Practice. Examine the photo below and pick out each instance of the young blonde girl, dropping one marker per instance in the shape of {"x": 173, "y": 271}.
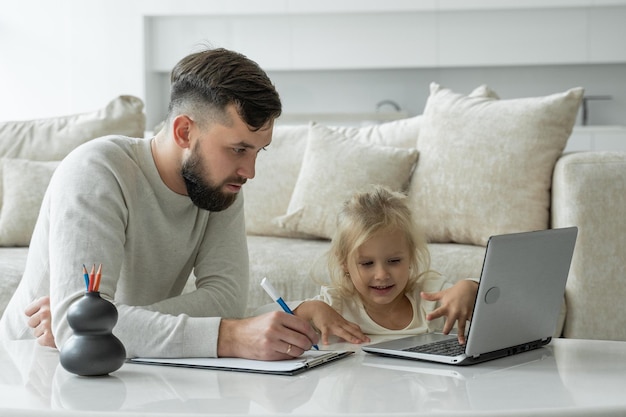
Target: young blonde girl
{"x": 380, "y": 277}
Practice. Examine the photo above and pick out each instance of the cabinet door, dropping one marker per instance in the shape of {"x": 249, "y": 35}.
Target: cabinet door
{"x": 169, "y": 38}
{"x": 512, "y": 37}
{"x": 364, "y": 41}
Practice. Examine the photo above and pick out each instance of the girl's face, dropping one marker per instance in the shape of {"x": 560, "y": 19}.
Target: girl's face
{"x": 381, "y": 269}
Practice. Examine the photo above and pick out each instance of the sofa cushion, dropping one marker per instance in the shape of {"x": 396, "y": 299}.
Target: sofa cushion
{"x": 333, "y": 168}
{"x": 12, "y": 264}
{"x": 456, "y": 261}
{"x": 486, "y": 164}
{"x": 24, "y": 184}
{"x": 401, "y": 133}
{"x": 53, "y": 138}
{"x": 296, "y": 275}
{"x": 268, "y": 195}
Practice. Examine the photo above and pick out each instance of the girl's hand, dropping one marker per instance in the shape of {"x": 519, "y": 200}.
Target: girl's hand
{"x": 329, "y": 322}
{"x": 456, "y": 304}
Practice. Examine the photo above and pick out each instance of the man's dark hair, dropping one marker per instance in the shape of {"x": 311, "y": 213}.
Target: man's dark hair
{"x": 204, "y": 83}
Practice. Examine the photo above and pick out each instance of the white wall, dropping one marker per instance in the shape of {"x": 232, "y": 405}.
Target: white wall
{"x": 67, "y": 56}
{"x": 33, "y": 59}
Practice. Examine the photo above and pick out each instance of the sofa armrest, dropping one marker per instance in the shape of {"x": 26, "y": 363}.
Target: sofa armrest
{"x": 589, "y": 191}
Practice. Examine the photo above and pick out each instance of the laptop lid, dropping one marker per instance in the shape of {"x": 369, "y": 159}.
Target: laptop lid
{"x": 518, "y": 302}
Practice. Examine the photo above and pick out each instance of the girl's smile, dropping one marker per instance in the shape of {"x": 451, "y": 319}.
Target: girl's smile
{"x": 382, "y": 289}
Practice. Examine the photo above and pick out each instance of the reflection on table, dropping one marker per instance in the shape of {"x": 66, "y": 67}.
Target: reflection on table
{"x": 566, "y": 376}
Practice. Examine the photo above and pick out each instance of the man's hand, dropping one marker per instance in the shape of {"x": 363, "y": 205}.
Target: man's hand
{"x": 456, "y": 304}
{"x": 271, "y": 336}
{"x": 40, "y": 320}
{"x": 329, "y": 322}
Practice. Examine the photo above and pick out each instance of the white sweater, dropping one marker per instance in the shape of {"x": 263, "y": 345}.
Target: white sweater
{"x": 107, "y": 204}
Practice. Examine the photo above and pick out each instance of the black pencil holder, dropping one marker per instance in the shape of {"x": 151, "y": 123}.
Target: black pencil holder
{"x": 93, "y": 349}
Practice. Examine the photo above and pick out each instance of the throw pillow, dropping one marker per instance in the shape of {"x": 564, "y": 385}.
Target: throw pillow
{"x": 401, "y": 133}
{"x": 277, "y": 169}
{"x": 486, "y": 164}
{"x": 24, "y": 185}
{"x": 334, "y": 167}
{"x": 267, "y": 195}
{"x": 53, "y": 138}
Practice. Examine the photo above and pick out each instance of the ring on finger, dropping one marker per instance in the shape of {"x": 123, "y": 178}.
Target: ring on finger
{"x": 288, "y": 349}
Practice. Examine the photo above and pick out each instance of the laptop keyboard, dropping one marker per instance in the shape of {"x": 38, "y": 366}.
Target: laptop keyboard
{"x": 449, "y": 347}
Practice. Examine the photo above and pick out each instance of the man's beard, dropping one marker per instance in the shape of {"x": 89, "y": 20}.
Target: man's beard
{"x": 202, "y": 193}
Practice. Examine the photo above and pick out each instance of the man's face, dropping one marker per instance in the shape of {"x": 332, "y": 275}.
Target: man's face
{"x": 221, "y": 161}
{"x": 203, "y": 190}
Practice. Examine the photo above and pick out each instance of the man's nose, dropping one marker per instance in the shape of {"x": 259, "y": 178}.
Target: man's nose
{"x": 248, "y": 168}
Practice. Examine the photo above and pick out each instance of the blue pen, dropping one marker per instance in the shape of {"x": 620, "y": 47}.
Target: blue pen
{"x": 272, "y": 293}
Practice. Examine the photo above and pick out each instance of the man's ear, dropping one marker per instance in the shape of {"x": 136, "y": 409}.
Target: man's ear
{"x": 181, "y": 126}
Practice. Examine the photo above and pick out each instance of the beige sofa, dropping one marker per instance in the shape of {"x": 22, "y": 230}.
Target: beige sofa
{"x": 485, "y": 166}
{"x": 472, "y": 166}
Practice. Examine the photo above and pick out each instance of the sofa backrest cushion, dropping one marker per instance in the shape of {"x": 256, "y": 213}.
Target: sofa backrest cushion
{"x": 24, "y": 184}
{"x": 267, "y": 195}
{"x": 53, "y": 138}
{"x": 486, "y": 164}
{"x": 31, "y": 149}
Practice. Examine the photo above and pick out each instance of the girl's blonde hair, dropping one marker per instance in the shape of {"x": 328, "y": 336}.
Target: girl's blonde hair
{"x": 361, "y": 217}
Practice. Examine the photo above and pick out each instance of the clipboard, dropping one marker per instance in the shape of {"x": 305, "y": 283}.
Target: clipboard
{"x": 308, "y": 360}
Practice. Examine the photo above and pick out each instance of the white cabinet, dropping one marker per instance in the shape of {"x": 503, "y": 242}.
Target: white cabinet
{"x": 513, "y": 37}
{"x": 266, "y": 38}
{"x": 364, "y": 41}
{"x": 607, "y": 34}
{"x": 412, "y": 38}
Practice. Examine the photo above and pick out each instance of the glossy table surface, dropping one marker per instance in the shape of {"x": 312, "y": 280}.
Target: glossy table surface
{"x": 567, "y": 377}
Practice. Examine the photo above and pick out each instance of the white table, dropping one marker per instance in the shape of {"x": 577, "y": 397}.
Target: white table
{"x": 568, "y": 377}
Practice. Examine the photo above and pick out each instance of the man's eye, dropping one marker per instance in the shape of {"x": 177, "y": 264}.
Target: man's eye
{"x": 239, "y": 150}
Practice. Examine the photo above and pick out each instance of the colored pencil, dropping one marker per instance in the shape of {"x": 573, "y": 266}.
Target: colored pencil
{"x": 86, "y": 276}
{"x": 96, "y": 285}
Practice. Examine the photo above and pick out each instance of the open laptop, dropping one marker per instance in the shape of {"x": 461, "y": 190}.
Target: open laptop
{"x": 517, "y": 305}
